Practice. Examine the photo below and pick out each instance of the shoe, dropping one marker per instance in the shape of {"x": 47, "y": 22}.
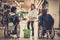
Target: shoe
{"x": 32, "y": 34}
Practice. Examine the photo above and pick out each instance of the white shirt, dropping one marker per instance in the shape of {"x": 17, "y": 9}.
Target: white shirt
{"x": 33, "y": 13}
{"x": 12, "y": 13}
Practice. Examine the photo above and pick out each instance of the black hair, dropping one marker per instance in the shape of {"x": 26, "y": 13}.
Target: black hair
{"x": 13, "y": 9}
{"x": 44, "y": 3}
{"x": 6, "y": 6}
{"x": 39, "y": 11}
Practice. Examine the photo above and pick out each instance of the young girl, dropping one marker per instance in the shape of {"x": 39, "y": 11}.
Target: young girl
{"x": 32, "y": 15}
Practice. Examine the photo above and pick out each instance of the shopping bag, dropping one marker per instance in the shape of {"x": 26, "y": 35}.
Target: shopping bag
{"x": 26, "y": 33}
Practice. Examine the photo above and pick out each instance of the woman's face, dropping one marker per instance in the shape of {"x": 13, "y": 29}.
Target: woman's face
{"x": 32, "y": 7}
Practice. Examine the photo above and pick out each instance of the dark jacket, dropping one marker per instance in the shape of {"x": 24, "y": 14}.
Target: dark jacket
{"x": 46, "y": 21}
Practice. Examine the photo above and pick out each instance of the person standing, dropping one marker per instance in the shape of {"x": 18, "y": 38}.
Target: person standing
{"x": 32, "y": 15}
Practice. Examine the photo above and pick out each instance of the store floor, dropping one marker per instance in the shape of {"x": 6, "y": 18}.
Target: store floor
{"x": 23, "y": 26}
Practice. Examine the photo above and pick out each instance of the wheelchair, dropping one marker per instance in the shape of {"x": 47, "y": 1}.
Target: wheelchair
{"x": 48, "y": 36}
{"x": 9, "y": 27}
{"x": 1, "y": 21}
{"x": 0, "y": 18}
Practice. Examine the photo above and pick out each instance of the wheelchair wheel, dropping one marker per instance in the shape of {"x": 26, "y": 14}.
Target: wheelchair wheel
{"x": 18, "y": 31}
{"x": 6, "y": 31}
{"x": 52, "y": 34}
{"x": 0, "y": 20}
{"x": 40, "y": 34}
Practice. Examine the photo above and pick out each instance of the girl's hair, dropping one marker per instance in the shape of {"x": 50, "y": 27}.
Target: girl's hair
{"x": 33, "y": 6}
{"x": 13, "y": 9}
{"x": 39, "y": 11}
{"x": 44, "y": 3}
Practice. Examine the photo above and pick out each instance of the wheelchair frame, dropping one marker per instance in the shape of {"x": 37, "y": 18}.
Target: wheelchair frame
{"x": 52, "y": 35}
{"x": 7, "y": 32}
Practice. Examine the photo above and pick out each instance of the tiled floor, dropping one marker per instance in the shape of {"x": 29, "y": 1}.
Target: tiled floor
{"x": 23, "y": 26}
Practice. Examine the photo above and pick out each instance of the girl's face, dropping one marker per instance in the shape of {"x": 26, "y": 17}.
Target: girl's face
{"x": 32, "y": 7}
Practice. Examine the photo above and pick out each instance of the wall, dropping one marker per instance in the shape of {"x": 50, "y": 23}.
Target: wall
{"x": 54, "y": 11}
{"x": 27, "y": 2}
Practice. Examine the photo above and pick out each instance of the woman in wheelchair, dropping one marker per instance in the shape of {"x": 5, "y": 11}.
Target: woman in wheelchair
{"x": 14, "y": 18}
{"x": 46, "y": 22}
